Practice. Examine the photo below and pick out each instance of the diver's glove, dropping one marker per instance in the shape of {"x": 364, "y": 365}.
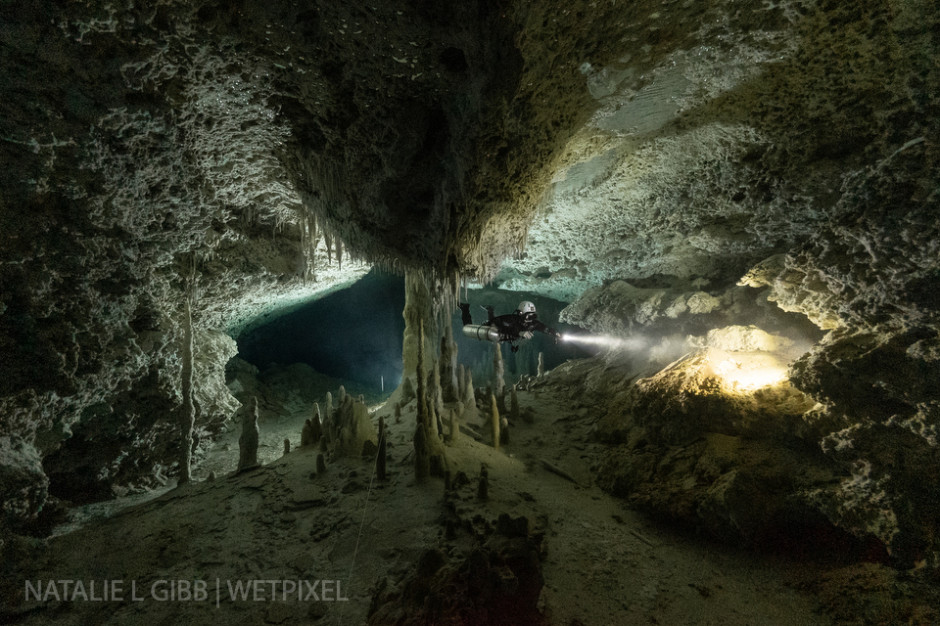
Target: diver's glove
{"x": 555, "y": 334}
{"x": 526, "y": 334}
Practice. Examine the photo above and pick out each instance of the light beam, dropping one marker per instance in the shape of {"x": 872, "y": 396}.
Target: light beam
{"x": 606, "y": 341}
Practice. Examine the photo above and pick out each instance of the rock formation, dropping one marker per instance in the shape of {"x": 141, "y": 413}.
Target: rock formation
{"x": 513, "y": 404}
{"x": 499, "y": 374}
{"x": 494, "y": 421}
{"x": 381, "y": 459}
{"x": 450, "y": 391}
{"x": 483, "y": 484}
{"x": 313, "y": 429}
{"x": 248, "y": 440}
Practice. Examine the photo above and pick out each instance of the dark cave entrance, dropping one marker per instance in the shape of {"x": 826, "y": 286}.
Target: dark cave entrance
{"x": 354, "y": 334}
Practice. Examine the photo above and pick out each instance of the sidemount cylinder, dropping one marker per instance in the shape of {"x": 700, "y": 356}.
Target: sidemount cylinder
{"x": 481, "y": 332}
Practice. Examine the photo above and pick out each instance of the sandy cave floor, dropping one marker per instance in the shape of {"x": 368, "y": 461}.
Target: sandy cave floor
{"x": 604, "y": 564}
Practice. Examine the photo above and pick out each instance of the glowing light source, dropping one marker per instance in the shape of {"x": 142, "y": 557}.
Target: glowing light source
{"x": 747, "y": 371}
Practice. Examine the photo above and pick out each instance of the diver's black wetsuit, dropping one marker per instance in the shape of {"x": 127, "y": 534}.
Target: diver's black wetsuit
{"x": 511, "y": 326}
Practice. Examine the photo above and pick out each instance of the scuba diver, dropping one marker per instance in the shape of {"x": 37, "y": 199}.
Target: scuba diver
{"x": 511, "y": 327}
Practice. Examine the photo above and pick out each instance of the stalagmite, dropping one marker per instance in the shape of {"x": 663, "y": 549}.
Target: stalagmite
{"x": 469, "y": 399}
{"x": 436, "y": 392}
{"x": 453, "y": 433}
{"x": 461, "y": 383}
{"x": 341, "y": 396}
{"x": 448, "y": 366}
{"x": 327, "y": 424}
{"x": 422, "y": 417}
{"x": 483, "y": 484}
{"x": 504, "y": 431}
{"x": 398, "y": 411}
{"x": 513, "y": 404}
{"x": 311, "y": 432}
{"x": 248, "y": 440}
{"x": 541, "y": 366}
{"x": 407, "y": 390}
{"x": 382, "y": 455}
{"x": 418, "y": 313}
{"x": 494, "y": 420}
{"x": 353, "y": 427}
{"x": 188, "y": 411}
{"x": 499, "y": 385}
{"x": 321, "y": 463}
{"x": 286, "y": 446}
{"x": 422, "y": 461}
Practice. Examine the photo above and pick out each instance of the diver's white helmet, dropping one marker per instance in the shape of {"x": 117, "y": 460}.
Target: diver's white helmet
{"x": 526, "y": 307}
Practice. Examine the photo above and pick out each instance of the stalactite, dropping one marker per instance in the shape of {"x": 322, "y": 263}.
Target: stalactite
{"x": 437, "y": 396}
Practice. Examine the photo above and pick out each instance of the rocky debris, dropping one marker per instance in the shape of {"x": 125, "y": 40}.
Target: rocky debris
{"x": 497, "y": 581}
{"x": 870, "y": 593}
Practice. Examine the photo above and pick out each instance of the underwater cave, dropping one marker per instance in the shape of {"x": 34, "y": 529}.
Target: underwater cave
{"x": 247, "y": 373}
